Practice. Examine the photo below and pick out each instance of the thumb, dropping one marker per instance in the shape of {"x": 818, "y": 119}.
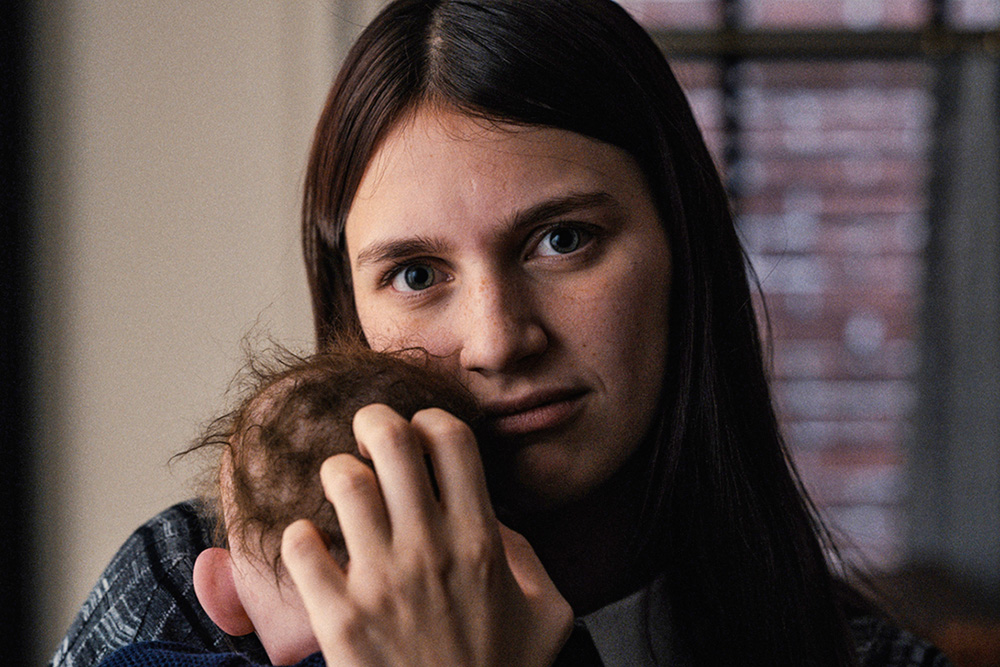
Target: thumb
{"x": 552, "y": 612}
{"x": 524, "y": 564}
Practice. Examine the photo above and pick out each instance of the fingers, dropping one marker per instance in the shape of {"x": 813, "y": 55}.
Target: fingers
{"x": 458, "y": 468}
{"x": 320, "y": 581}
{"x": 398, "y": 448}
{"x": 352, "y": 488}
{"x": 398, "y": 456}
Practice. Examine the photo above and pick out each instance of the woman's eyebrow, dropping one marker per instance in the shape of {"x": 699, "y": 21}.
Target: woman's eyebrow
{"x": 559, "y": 206}
{"x": 396, "y": 249}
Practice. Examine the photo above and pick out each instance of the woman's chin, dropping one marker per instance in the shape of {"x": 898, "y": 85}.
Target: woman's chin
{"x": 537, "y": 481}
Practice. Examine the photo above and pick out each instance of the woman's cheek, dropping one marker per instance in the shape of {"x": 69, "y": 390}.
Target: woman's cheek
{"x": 387, "y": 330}
{"x": 639, "y": 328}
{"x": 382, "y": 332}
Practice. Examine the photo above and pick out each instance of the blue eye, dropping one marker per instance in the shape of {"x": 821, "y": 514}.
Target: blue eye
{"x": 562, "y": 241}
{"x": 414, "y": 278}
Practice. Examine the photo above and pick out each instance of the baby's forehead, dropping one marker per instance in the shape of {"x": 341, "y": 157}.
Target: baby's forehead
{"x": 269, "y": 399}
{"x": 243, "y": 537}
{"x": 287, "y": 408}
{"x": 279, "y": 439}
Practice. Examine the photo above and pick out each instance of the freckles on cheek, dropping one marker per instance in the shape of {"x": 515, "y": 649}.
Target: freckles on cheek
{"x": 383, "y": 333}
{"x": 600, "y": 321}
{"x": 389, "y": 334}
{"x": 641, "y": 313}
{"x": 381, "y": 336}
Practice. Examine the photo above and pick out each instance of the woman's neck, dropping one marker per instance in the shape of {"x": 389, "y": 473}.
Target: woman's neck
{"x": 586, "y": 546}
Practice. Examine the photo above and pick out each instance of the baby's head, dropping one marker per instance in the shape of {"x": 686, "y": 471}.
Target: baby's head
{"x": 295, "y": 415}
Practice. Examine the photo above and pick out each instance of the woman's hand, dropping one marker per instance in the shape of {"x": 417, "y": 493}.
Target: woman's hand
{"x": 431, "y": 580}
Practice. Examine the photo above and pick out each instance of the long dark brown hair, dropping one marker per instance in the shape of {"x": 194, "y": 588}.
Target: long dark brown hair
{"x": 724, "y": 516}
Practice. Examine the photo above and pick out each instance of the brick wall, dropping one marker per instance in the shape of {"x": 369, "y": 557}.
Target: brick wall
{"x": 832, "y": 203}
{"x": 830, "y": 187}
{"x": 830, "y": 191}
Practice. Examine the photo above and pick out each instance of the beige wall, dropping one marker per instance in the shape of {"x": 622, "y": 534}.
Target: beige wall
{"x": 171, "y": 145}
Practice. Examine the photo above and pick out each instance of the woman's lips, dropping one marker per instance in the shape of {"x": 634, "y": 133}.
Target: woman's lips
{"x": 539, "y": 412}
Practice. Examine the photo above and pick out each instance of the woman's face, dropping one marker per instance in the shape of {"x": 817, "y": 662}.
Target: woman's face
{"x": 533, "y": 263}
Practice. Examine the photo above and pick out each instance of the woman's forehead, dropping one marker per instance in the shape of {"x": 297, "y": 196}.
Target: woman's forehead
{"x": 448, "y": 166}
{"x": 435, "y": 137}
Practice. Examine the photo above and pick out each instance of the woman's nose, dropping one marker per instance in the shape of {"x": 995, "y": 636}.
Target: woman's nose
{"x": 502, "y": 327}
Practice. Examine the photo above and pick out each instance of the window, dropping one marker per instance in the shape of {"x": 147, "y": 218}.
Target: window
{"x": 822, "y": 117}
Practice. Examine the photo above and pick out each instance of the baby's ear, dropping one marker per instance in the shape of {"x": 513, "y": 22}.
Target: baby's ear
{"x": 216, "y": 591}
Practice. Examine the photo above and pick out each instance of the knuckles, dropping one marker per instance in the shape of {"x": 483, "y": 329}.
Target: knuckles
{"x": 423, "y": 561}
{"x": 376, "y": 425}
{"x": 426, "y": 564}
{"x": 351, "y": 629}
{"x": 345, "y": 476}
{"x": 443, "y": 425}
{"x": 481, "y": 559}
{"x": 296, "y": 541}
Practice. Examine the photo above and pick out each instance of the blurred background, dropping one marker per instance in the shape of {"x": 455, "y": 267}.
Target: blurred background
{"x": 153, "y": 154}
